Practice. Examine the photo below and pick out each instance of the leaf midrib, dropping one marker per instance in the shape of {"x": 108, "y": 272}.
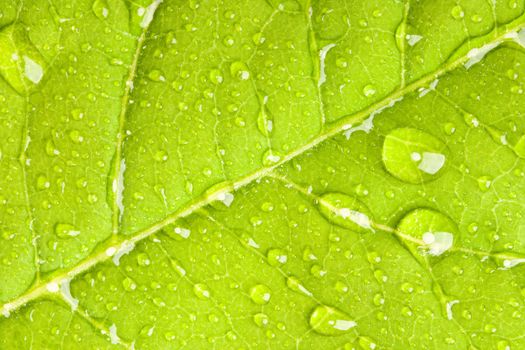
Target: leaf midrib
{"x": 333, "y": 129}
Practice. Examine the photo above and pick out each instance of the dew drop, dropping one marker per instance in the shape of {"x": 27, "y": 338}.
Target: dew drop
{"x": 156, "y": 75}
{"x": 201, "y": 291}
{"x": 328, "y": 320}
{"x": 345, "y": 211}
{"x": 63, "y": 230}
{"x": 369, "y": 90}
{"x": 261, "y": 320}
{"x": 216, "y": 76}
{"x": 457, "y": 12}
{"x": 22, "y": 64}
{"x": 128, "y": 284}
{"x": 413, "y": 156}
{"x": 276, "y": 257}
{"x": 430, "y": 232}
{"x": 143, "y": 259}
{"x": 260, "y": 294}
{"x": 100, "y": 9}
{"x": 295, "y": 284}
{"x": 239, "y": 70}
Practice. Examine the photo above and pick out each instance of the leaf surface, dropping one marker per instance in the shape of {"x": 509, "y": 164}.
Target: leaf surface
{"x": 262, "y": 174}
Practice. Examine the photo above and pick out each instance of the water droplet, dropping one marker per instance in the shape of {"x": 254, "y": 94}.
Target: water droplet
{"x": 366, "y": 343}
{"x": 407, "y": 287}
{"x": 216, "y": 76}
{"x": 228, "y": 41}
{"x": 271, "y": 158}
{"x": 42, "y": 182}
{"x": 66, "y": 230}
{"x": 100, "y": 9}
{"x": 327, "y": 320}
{"x": 369, "y": 90}
{"x": 413, "y": 156}
{"x": 128, "y": 284}
{"x": 22, "y": 64}
{"x": 201, "y": 291}
{"x": 449, "y": 128}
{"x": 75, "y": 136}
{"x": 143, "y": 259}
{"x": 156, "y": 75}
{"x": 276, "y": 257}
{"x": 427, "y": 232}
{"x": 457, "y": 12}
{"x": 239, "y": 70}
{"x": 345, "y": 211}
{"x": 261, "y": 319}
{"x": 295, "y": 284}
{"x": 260, "y": 294}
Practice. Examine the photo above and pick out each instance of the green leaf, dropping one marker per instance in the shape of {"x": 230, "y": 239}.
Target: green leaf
{"x": 262, "y": 174}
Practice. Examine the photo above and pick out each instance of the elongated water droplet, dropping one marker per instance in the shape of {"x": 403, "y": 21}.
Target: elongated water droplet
{"x": 295, "y": 284}
{"x": 345, "y": 211}
{"x": 413, "y": 156}
{"x": 66, "y": 230}
{"x": 201, "y": 291}
{"x": 328, "y": 320}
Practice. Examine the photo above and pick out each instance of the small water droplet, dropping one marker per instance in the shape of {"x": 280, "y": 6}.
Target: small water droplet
{"x": 143, "y": 259}
{"x": 216, "y": 76}
{"x": 276, "y": 257}
{"x": 239, "y": 70}
{"x": 201, "y": 291}
{"x": 369, "y": 90}
{"x": 328, "y": 320}
{"x": 128, "y": 284}
{"x": 457, "y": 12}
{"x": 260, "y": 294}
{"x": 63, "y": 230}
{"x": 261, "y": 319}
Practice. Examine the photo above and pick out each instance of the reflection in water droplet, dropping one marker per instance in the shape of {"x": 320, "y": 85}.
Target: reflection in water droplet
{"x": 413, "y": 156}
{"x": 345, "y": 211}
{"x": 327, "y": 320}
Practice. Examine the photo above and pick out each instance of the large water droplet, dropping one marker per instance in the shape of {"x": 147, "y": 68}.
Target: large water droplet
{"x": 327, "y": 320}
{"x": 345, "y": 211}
{"x": 413, "y": 156}
{"x": 21, "y": 64}
{"x": 260, "y": 294}
{"x": 427, "y": 232}
{"x": 101, "y": 9}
